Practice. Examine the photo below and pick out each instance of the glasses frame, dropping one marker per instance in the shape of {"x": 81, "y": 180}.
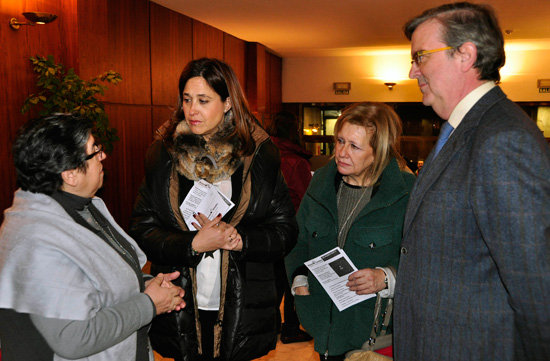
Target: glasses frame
{"x": 417, "y": 57}
{"x": 99, "y": 148}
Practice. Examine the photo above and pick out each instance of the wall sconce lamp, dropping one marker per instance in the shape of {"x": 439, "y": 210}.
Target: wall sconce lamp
{"x": 33, "y": 18}
{"x": 543, "y": 85}
{"x": 390, "y": 85}
{"x": 341, "y": 88}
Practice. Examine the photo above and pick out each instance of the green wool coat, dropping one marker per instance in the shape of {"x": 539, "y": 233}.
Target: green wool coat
{"x": 374, "y": 240}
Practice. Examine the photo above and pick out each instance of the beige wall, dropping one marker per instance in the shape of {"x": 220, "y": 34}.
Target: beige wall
{"x": 309, "y": 80}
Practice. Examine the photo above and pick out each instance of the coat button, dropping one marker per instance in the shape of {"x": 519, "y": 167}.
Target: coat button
{"x": 404, "y": 250}
{"x": 314, "y": 234}
{"x": 372, "y": 245}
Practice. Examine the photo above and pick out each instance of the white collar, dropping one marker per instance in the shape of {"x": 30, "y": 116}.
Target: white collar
{"x": 467, "y": 103}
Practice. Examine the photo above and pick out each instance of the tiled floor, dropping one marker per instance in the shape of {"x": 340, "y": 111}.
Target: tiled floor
{"x": 301, "y": 351}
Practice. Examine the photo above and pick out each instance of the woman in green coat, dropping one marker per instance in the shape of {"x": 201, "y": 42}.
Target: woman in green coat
{"x": 356, "y": 202}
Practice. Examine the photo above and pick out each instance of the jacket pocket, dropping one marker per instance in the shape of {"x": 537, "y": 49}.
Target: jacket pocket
{"x": 319, "y": 230}
{"x": 373, "y": 238}
{"x": 310, "y": 314}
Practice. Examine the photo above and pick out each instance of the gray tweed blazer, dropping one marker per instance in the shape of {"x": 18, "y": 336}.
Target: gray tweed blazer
{"x": 474, "y": 271}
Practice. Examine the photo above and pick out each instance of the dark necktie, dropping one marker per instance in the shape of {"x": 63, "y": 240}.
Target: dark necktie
{"x": 446, "y": 130}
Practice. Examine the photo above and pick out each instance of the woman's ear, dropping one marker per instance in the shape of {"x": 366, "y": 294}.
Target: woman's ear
{"x": 227, "y": 105}
{"x": 69, "y": 178}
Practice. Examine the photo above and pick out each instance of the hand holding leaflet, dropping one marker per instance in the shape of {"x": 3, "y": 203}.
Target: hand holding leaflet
{"x": 204, "y": 198}
{"x": 332, "y": 270}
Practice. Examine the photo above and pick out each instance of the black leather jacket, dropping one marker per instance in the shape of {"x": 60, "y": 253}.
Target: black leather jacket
{"x": 268, "y": 229}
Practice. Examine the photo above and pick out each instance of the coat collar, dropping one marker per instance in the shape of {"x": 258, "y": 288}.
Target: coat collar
{"x": 387, "y": 190}
{"x": 197, "y": 159}
{"x": 434, "y": 167}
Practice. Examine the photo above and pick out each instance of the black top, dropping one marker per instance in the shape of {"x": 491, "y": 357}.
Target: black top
{"x": 21, "y": 340}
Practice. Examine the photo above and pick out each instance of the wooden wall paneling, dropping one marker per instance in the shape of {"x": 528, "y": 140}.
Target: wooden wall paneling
{"x": 93, "y": 36}
{"x": 207, "y": 41}
{"x": 267, "y": 86}
{"x": 251, "y": 76}
{"x": 275, "y": 83}
{"x": 273, "y": 87}
{"x": 15, "y": 78}
{"x": 160, "y": 115}
{"x": 235, "y": 56}
{"x": 68, "y": 23}
{"x": 16, "y": 75}
{"x": 255, "y": 78}
{"x": 114, "y": 35}
{"x": 171, "y": 50}
{"x": 261, "y": 94}
{"x": 125, "y": 166}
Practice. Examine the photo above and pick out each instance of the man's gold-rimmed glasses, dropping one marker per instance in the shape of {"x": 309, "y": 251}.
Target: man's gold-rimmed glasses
{"x": 418, "y": 56}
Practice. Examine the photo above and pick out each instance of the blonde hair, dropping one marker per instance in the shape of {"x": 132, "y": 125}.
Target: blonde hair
{"x": 385, "y": 127}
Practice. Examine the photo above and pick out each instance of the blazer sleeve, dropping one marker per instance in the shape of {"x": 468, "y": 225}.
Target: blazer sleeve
{"x": 511, "y": 201}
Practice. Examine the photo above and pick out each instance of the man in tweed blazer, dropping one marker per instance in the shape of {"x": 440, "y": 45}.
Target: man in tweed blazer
{"x": 474, "y": 272}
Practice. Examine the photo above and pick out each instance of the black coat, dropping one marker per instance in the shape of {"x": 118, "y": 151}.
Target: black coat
{"x": 268, "y": 230}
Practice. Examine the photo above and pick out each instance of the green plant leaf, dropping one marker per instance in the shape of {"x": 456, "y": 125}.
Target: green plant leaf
{"x": 62, "y": 90}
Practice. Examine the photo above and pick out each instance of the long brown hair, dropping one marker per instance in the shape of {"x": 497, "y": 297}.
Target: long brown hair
{"x": 223, "y": 80}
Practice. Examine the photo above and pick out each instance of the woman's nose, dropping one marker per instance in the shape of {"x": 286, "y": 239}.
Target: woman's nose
{"x": 343, "y": 151}
{"x": 193, "y": 108}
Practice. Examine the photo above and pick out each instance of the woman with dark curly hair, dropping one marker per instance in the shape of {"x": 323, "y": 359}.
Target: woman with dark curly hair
{"x": 71, "y": 285}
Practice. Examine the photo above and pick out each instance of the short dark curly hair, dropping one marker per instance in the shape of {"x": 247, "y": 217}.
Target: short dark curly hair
{"x": 47, "y": 146}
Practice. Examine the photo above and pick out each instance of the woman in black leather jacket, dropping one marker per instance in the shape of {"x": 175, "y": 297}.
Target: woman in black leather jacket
{"x": 227, "y": 265}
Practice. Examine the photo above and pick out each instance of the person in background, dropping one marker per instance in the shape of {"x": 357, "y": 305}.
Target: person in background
{"x": 227, "y": 264}
{"x": 419, "y": 166}
{"x": 284, "y": 132}
{"x": 475, "y": 265}
{"x": 356, "y": 202}
{"x": 71, "y": 285}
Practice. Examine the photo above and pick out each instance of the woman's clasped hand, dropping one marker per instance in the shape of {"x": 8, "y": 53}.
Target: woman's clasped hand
{"x": 215, "y": 234}
{"x": 166, "y": 296}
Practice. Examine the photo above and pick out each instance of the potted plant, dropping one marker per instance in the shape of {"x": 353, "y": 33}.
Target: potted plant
{"x": 63, "y": 91}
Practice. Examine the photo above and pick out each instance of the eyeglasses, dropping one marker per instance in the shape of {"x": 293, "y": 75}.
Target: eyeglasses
{"x": 417, "y": 57}
{"x": 99, "y": 149}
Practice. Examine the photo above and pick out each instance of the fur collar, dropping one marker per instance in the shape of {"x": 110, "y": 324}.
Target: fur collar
{"x": 212, "y": 161}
